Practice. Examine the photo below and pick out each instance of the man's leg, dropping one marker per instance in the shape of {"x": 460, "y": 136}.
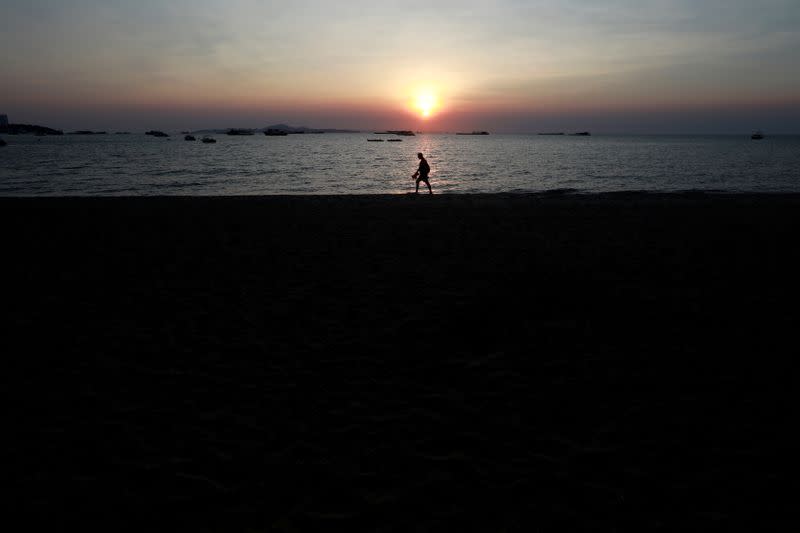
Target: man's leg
{"x": 418, "y": 180}
{"x": 428, "y": 183}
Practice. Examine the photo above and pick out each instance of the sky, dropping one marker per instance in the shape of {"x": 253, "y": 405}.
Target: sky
{"x": 613, "y": 66}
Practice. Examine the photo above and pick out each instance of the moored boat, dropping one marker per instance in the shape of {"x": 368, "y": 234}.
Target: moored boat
{"x": 209, "y": 140}
{"x": 757, "y": 136}
{"x": 189, "y": 138}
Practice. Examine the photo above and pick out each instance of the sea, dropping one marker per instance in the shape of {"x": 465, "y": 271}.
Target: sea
{"x": 347, "y": 163}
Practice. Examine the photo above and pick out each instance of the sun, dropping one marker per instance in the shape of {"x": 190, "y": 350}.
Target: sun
{"x": 426, "y": 103}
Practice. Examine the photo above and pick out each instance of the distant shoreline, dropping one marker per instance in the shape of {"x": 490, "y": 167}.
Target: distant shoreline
{"x": 222, "y": 131}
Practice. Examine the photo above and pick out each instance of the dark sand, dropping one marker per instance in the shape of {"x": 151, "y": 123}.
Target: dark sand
{"x": 493, "y": 363}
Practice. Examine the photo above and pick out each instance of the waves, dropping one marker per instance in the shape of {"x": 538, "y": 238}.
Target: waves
{"x": 346, "y": 164}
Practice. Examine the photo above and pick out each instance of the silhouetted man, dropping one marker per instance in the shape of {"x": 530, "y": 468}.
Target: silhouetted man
{"x": 422, "y": 172}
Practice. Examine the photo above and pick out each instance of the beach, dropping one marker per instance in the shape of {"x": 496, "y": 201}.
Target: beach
{"x": 551, "y": 362}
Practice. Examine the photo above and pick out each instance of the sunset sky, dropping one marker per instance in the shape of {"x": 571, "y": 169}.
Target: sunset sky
{"x": 638, "y": 66}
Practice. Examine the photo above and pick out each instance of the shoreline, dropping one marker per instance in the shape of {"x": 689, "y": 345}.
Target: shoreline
{"x": 555, "y": 194}
{"x": 519, "y": 194}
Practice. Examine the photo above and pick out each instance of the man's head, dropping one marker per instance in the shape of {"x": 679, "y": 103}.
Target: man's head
{"x": 420, "y": 155}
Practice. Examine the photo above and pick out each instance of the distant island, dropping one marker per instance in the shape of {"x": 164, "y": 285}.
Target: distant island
{"x": 28, "y": 129}
{"x": 275, "y": 128}
{"x": 404, "y": 133}
{"x": 304, "y": 129}
{"x": 578, "y": 134}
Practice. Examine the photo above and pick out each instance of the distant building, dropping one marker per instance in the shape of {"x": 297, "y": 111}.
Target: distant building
{"x": 3, "y": 121}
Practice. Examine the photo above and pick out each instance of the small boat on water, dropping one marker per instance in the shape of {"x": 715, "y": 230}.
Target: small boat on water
{"x": 209, "y": 140}
{"x": 581, "y": 134}
{"x": 374, "y": 140}
{"x": 474, "y": 133}
{"x": 395, "y": 140}
{"x": 234, "y": 131}
{"x": 757, "y": 136}
{"x": 271, "y": 132}
{"x": 156, "y": 133}
{"x": 559, "y": 133}
{"x": 189, "y": 138}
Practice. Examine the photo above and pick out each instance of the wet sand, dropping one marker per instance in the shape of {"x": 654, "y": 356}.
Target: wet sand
{"x": 493, "y": 363}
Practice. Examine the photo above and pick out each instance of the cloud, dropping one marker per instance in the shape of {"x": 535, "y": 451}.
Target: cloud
{"x": 508, "y": 54}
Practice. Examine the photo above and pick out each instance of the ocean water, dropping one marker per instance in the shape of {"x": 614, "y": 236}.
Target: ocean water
{"x": 122, "y": 165}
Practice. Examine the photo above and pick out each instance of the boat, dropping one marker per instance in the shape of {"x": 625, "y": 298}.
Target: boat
{"x": 581, "y": 134}
{"x": 560, "y": 133}
{"x": 189, "y": 138}
{"x": 374, "y": 140}
{"x": 272, "y": 132}
{"x": 475, "y": 133}
{"x": 156, "y": 133}
{"x": 395, "y": 140}
{"x": 757, "y": 136}
{"x": 234, "y": 131}
{"x": 209, "y": 140}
